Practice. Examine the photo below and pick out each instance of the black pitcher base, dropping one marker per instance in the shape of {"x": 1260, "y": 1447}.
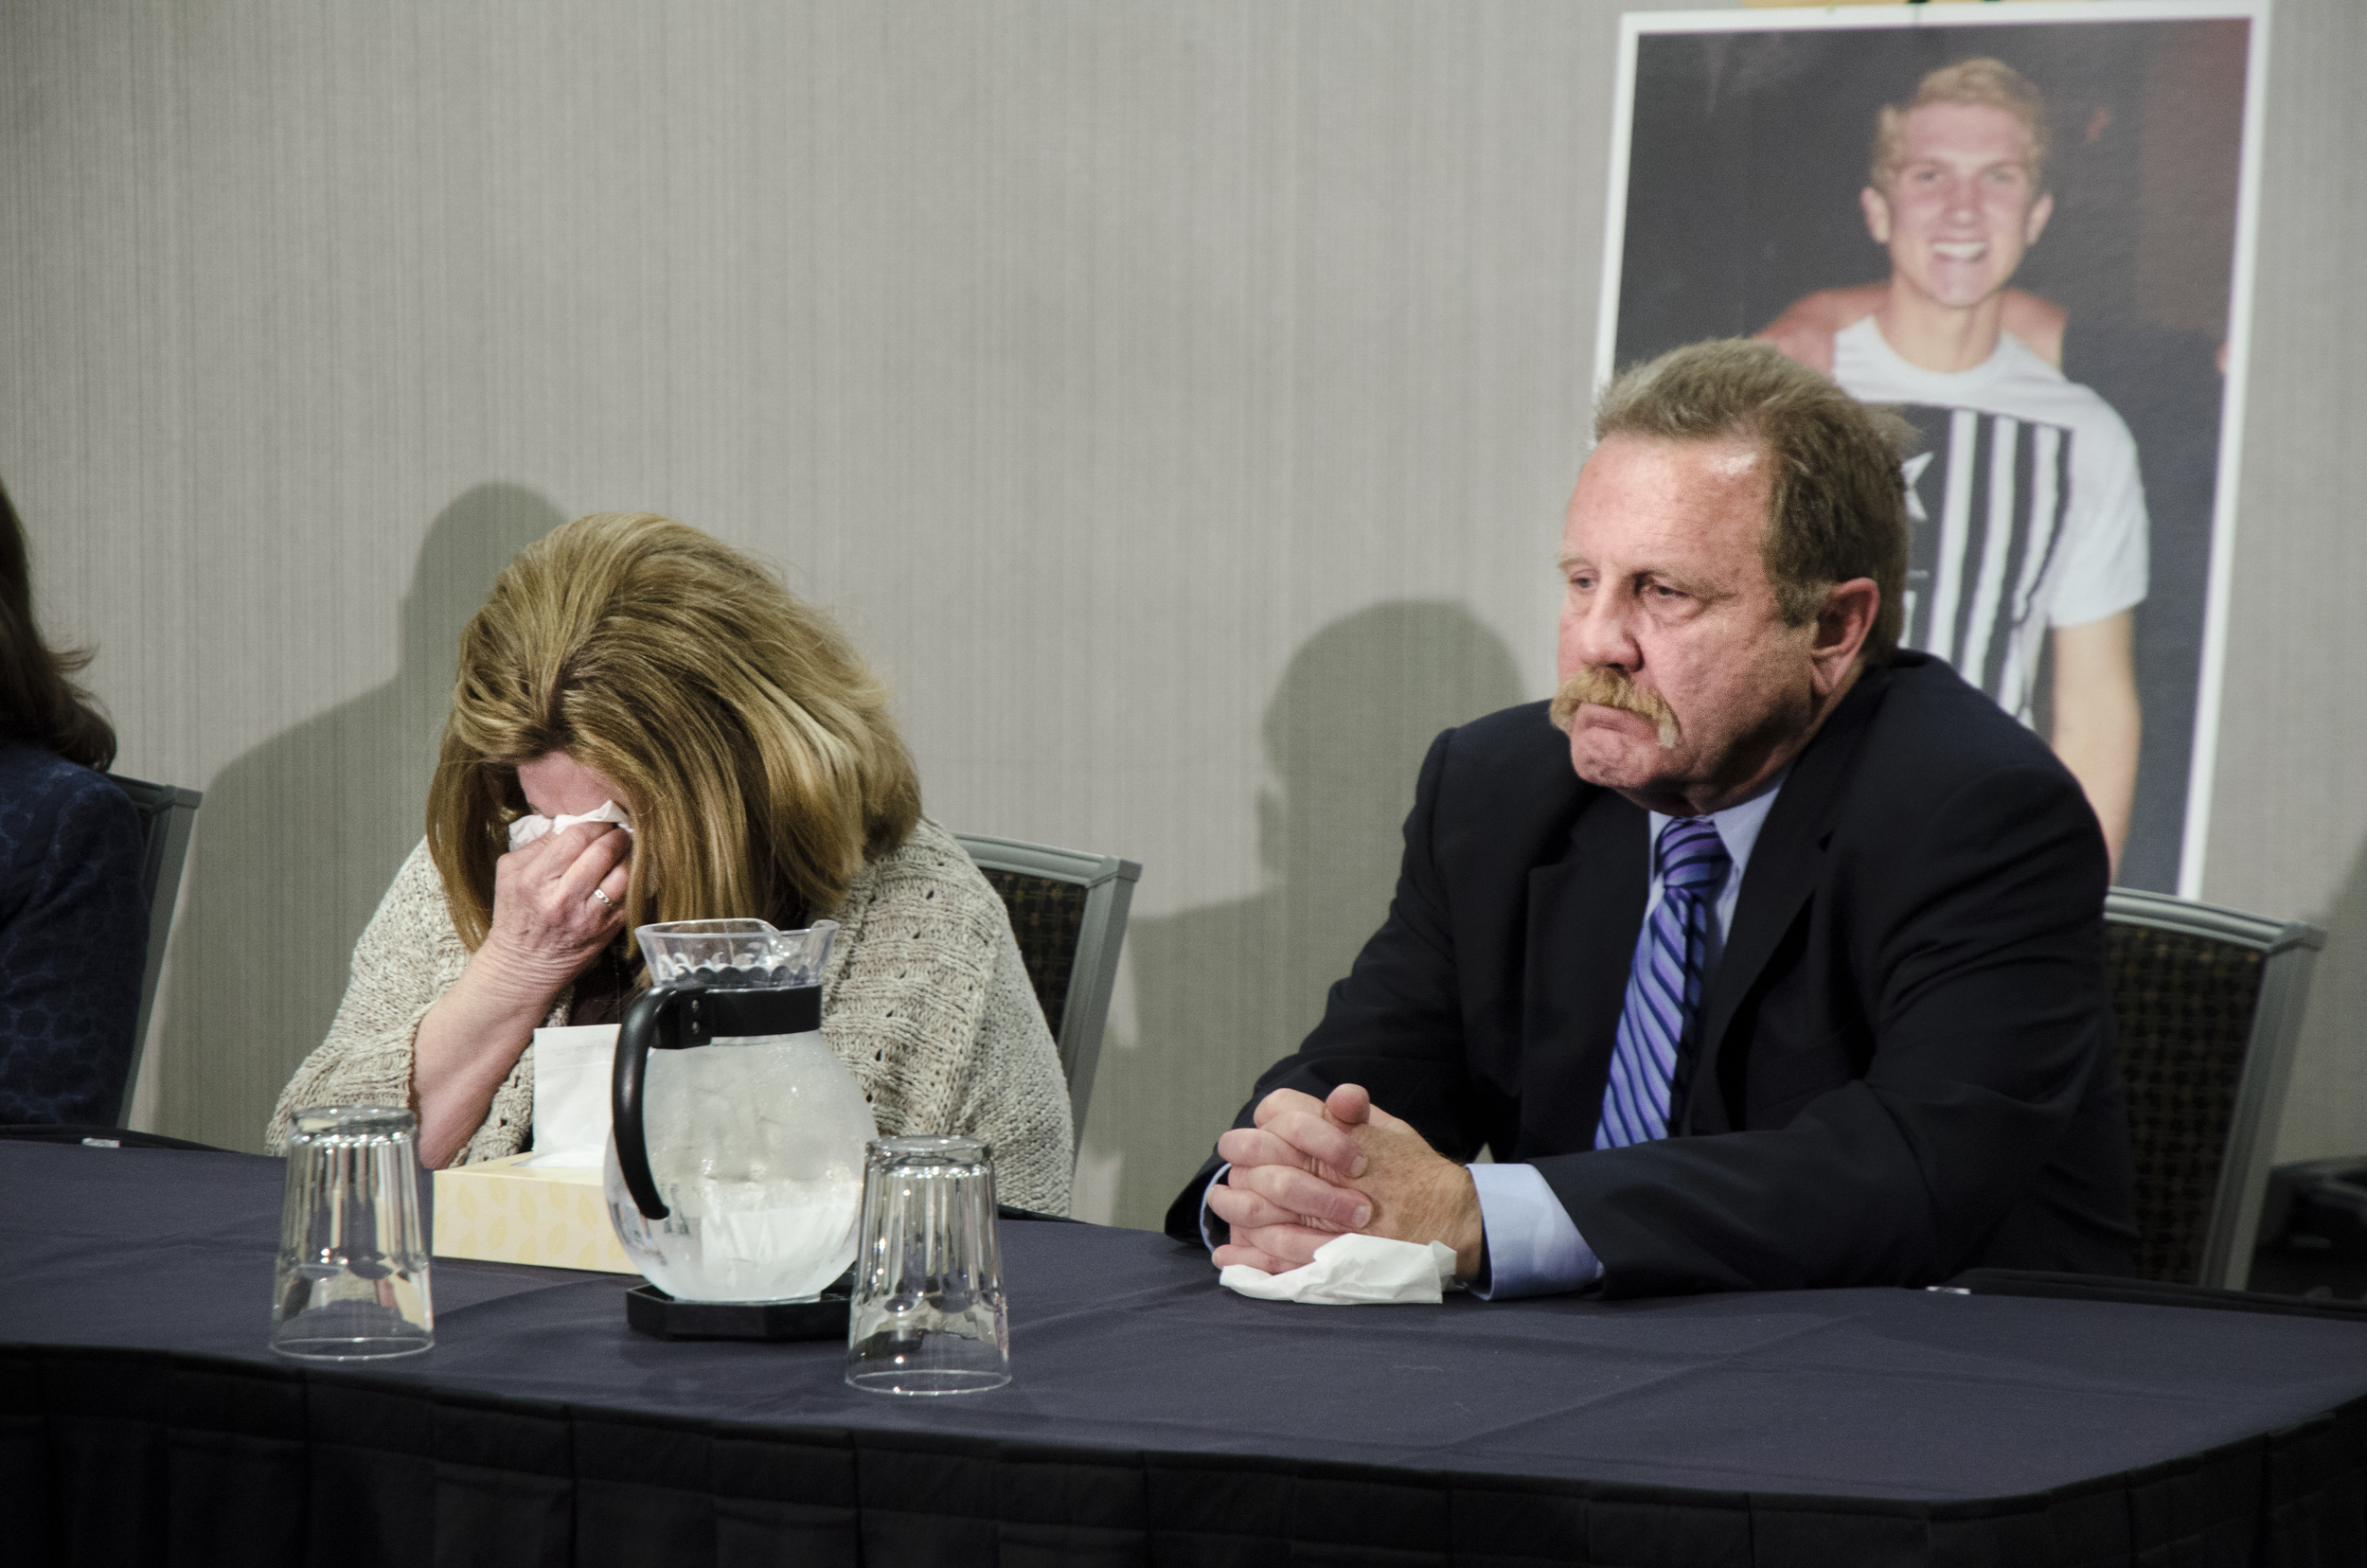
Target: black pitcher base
{"x": 652, "y": 1312}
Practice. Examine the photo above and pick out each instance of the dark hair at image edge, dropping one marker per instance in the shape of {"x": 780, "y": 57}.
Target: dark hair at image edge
{"x": 39, "y": 701}
{"x": 1836, "y": 500}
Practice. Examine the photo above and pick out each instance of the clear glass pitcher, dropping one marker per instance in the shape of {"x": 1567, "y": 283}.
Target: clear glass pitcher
{"x": 735, "y": 1150}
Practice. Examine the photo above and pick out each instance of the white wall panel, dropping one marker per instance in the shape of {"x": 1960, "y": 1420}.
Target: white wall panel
{"x": 2288, "y": 820}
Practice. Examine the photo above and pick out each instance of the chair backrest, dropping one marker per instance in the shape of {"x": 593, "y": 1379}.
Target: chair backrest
{"x": 1068, "y": 910}
{"x": 167, "y": 811}
{"x": 2209, "y": 1008}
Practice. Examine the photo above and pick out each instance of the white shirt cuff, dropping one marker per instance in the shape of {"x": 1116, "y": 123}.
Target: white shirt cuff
{"x": 1533, "y": 1246}
{"x": 1207, "y": 1218}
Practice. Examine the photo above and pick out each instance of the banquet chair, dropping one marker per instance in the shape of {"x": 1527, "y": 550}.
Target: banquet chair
{"x": 2209, "y": 1002}
{"x": 167, "y": 812}
{"x": 1068, "y": 910}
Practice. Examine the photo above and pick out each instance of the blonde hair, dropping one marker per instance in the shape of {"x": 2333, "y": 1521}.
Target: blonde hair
{"x": 751, "y": 741}
{"x": 1990, "y": 82}
{"x": 1836, "y": 500}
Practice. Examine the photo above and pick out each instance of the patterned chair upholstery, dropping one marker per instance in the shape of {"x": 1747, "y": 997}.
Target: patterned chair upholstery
{"x": 2209, "y": 1002}
{"x": 1068, "y": 911}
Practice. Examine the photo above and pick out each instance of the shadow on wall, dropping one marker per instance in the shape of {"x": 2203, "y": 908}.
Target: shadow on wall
{"x": 2326, "y": 1104}
{"x": 1223, "y": 991}
{"x": 299, "y": 838}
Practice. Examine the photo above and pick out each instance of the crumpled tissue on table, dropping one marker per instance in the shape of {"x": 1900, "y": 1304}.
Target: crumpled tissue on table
{"x": 1352, "y": 1270}
{"x": 534, "y": 824}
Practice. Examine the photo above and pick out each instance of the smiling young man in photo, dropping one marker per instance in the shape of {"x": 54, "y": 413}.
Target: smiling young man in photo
{"x": 2029, "y": 515}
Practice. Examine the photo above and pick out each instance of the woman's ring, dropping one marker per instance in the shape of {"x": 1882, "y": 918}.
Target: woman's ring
{"x": 603, "y": 897}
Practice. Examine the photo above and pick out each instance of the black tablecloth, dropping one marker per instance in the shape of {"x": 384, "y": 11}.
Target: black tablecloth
{"x": 1154, "y": 1417}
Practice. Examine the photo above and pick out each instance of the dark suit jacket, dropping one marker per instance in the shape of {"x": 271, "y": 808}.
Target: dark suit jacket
{"x": 1902, "y": 1064}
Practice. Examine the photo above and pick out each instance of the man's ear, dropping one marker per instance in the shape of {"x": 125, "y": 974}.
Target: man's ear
{"x": 1878, "y": 214}
{"x": 1840, "y": 631}
{"x": 2041, "y": 210}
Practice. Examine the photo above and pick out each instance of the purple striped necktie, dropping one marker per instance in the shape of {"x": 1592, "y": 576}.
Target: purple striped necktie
{"x": 1663, "y": 985}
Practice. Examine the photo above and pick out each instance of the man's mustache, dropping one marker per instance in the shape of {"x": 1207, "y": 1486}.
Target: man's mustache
{"x": 1610, "y": 687}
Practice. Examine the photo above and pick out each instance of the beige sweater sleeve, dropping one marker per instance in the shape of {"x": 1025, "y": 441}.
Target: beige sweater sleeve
{"x": 926, "y": 1002}
{"x": 409, "y": 955}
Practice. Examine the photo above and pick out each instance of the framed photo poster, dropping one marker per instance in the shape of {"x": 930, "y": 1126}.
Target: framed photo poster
{"x": 2028, "y": 227}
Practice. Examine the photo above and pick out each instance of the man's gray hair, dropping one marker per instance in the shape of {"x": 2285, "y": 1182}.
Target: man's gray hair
{"x": 1837, "y": 500}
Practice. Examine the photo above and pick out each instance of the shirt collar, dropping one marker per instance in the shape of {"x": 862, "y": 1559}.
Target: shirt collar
{"x": 1737, "y": 825}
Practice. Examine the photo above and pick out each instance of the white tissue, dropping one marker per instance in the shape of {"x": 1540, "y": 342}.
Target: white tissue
{"x": 572, "y": 1071}
{"x": 1352, "y": 1270}
{"x": 534, "y": 824}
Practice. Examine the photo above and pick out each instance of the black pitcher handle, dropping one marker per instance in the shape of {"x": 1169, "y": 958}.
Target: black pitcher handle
{"x": 643, "y": 1021}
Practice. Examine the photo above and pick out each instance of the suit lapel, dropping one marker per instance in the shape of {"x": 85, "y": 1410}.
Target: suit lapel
{"x": 1584, "y": 913}
{"x": 1785, "y": 865}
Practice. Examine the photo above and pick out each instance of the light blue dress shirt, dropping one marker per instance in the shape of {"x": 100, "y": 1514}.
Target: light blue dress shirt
{"x": 1534, "y": 1247}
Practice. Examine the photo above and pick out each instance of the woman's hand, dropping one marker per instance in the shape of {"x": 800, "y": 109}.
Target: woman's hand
{"x": 547, "y": 929}
{"x": 557, "y": 903}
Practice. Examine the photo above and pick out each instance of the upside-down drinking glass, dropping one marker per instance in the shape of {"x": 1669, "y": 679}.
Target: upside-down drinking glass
{"x": 926, "y": 1313}
{"x": 351, "y": 1279}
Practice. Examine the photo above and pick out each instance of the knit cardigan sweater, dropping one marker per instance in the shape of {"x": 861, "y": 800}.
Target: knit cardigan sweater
{"x": 925, "y": 999}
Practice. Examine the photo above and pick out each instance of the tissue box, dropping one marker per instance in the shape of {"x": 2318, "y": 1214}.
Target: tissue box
{"x": 505, "y": 1213}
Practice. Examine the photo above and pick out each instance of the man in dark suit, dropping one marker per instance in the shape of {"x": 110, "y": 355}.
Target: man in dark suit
{"x": 1767, "y": 956}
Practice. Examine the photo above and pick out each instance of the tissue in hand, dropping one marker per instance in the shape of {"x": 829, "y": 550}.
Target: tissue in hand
{"x": 1352, "y": 1270}
{"x": 534, "y": 824}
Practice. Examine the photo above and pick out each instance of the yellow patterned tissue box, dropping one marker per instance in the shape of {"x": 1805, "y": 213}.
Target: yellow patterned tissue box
{"x": 504, "y": 1212}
